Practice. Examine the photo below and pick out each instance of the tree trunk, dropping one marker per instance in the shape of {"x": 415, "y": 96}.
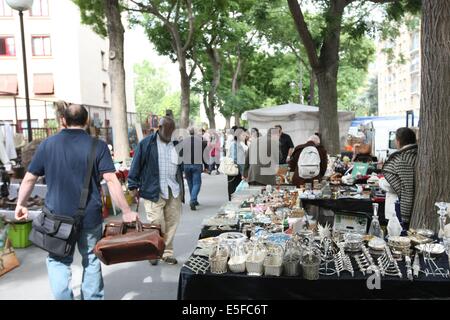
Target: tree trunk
{"x": 237, "y": 118}
{"x": 433, "y": 171}
{"x": 185, "y": 96}
{"x": 328, "y": 115}
{"x": 234, "y": 81}
{"x": 210, "y": 115}
{"x": 116, "y": 72}
{"x": 214, "y": 58}
{"x": 228, "y": 122}
{"x": 312, "y": 85}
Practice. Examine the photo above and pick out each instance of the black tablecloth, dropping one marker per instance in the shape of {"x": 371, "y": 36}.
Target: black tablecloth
{"x": 349, "y": 205}
{"x": 210, "y": 286}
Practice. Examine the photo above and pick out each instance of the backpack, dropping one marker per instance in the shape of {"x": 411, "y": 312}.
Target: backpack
{"x": 309, "y": 163}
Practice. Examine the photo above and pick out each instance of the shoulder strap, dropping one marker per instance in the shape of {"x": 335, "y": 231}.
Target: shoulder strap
{"x": 87, "y": 178}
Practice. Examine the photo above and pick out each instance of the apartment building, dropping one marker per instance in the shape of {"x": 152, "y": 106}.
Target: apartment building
{"x": 399, "y": 65}
{"x": 66, "y": 60}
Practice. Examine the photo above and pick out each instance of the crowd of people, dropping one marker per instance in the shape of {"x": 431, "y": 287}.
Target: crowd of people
{"x": 161, "y": 163}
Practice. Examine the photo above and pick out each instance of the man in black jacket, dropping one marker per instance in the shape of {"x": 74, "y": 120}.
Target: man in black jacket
{"x": 192, "y": 153}
{"x": 157, "y": 175}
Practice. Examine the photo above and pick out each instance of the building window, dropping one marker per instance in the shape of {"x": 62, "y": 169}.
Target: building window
{"x": 7, "y": 46}
{"x": 103, "y": 55}
{"x": 415, "y": 41}
{"x": 43, "y": 84}
{"x": 415, "y": 81}
{"x": 5, "y": 10}
{"x": 8, "y": 85}
{"x": 415, "y": 62}
{"x": 40, "y": 8}
{"x": 41, "y": 46}
{"x": 34, "y": 123}
{"x": 105, "y": 93}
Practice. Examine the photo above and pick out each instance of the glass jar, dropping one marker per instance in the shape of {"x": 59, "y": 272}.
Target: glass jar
{"x": 291, "y": 259}
{"x": 255, "y": 258}
{"x": 238, "y": 256}
{"x": 273, "y": 262}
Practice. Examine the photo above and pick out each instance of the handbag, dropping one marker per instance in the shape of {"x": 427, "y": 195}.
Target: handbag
{"x": 127, "y": 242}
{"x": 56, "y": 233}
{"x": 8, "y": 259}
{"x": 228, "y": 167}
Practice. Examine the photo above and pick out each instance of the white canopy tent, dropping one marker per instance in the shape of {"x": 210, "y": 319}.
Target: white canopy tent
{"x": 299, "y": 121}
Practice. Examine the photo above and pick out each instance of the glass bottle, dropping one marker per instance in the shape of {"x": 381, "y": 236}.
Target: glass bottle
{"x": 326, "y": 190}
{"x": 442, "y": 218}
{"x": 375, "y": 227}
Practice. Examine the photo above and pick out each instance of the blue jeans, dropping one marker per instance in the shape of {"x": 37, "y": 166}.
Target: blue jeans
{"x": 193, "y": 173}
{"x": 60, "y": 273}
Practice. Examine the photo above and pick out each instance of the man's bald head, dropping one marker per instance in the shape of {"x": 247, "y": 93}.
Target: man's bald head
{"x": 166, "y": 128}
{"x": 75, "y": 115}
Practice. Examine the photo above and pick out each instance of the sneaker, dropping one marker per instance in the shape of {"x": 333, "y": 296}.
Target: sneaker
{"x": 170, "y": 260}
{"x": 193, "y": 208}
{"x": 154, "y": 262}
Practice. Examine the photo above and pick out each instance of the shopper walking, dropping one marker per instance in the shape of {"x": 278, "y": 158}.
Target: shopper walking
{"x": 237, "y": 153}
{"x": 191, "y": 150}
{"x": 63, "y": 159}
{"x": 156, "y": 175}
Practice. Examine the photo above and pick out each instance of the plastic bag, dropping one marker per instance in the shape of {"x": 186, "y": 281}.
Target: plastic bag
{"x": 394, "y": 228}
{"x": 242, "y": 186}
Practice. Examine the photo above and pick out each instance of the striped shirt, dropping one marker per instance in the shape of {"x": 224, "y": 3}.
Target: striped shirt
{"x": 168, "y": 165}
{"x": 399, "y": 171}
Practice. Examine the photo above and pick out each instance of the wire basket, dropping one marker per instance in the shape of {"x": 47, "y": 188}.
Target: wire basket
{"x": 291, "y": 267}
{"x": 218, "y": 258}
{"x": 273, "y": 265}
{"x": 311, "y": 267}
{"x": 218, "y": 264}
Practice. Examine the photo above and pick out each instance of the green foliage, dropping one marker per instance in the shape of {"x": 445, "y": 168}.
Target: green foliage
{"x": 152, "y": 93}
{"x": 151, "y": 88}
{"x": 93, "y": 14}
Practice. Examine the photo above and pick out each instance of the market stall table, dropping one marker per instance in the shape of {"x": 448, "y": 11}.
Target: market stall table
{"x": 348, "y": 205}
{"x": 210, "y": 286}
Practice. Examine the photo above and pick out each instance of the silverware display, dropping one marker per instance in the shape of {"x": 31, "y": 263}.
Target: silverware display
{"x": 343, "y": 262}
{"x": 388, "y": 265}
{"x": 197, "y": 264}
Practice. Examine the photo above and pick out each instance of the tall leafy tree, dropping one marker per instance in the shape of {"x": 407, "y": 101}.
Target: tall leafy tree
{"x": 323, "y": 53}
{"x": 171, "y": 26}
{"x": 222, "y": 43}
{"x": 433, "y": 171}
{"x": 106, "y": 20}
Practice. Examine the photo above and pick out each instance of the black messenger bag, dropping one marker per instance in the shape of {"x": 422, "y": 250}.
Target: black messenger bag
{"x": 56, "y": 233}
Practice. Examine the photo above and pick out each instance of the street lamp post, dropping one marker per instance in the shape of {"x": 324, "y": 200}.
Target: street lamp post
{"x": 21, "y": 6}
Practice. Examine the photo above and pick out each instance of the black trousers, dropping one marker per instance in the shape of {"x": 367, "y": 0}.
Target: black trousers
{"x": 233, "y": 182}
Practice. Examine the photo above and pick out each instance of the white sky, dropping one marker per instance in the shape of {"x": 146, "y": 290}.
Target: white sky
{"x": 139, "y": 48}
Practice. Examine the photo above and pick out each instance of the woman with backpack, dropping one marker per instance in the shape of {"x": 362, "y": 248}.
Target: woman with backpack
{"x": 308, "y": 162}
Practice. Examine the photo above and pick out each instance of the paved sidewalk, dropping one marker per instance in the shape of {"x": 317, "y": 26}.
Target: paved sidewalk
{"x": 136, "y": 280}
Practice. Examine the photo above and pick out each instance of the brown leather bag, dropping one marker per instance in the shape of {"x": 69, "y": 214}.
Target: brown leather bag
{"x": 8, "y": 259}
{"x": 127, "y": 242}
